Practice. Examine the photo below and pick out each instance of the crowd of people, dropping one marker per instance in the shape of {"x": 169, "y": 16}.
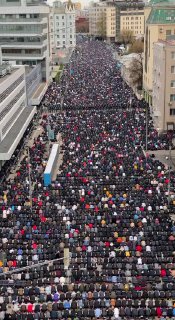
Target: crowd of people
{"x": 109, "y": 205}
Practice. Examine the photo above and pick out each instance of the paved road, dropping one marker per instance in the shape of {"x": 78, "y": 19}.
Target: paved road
{"x": 163, "y": 156}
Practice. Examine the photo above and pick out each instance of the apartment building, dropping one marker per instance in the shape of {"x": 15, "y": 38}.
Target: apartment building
{"x": 24, "y": 38}
{"x": 62, "y": 26}
{"x": 102, "y": 21}
{"x": 159, "y": 25}
{"x": 14, "y": 114}
{"x": 130, "y": 16}
{"x": 163, "y": 94}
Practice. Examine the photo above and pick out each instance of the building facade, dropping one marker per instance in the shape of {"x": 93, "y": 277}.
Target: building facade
{"x": 14, "y": 114}
{"x": 24, "y": 35}
{"x": 102, "y": 21}
{"x": 163, "y": 94}
{"x": 159, "y": 25}
{"x": 62, "y": 26}
{"x": 130, "y": 16}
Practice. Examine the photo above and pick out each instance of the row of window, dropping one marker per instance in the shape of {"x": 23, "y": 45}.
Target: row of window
{"x": 23, "y": 39}
{"x": 63, "y": 36}
{"x": 4, "y": 112}
{"x": 20, "y": 16}
{"x": 63, "y": 43}
{"x": 132, "y": 18}
{"x": 11, "y": 88}
{"x": 132, "y": 23}
{"x": 12, "y": 119}
{"x": 23, "y": 51}
{"x": 62, "y": 17}
{"x": 27, "y": 28}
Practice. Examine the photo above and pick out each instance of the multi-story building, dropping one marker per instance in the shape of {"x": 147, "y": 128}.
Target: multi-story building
{"x": 130, "y": 16}
{"x": 62, "y": 26}
{"x": 163, "y": 94}
{"x": 14, "y": 114}
{"x": 159, "y": 25}
{"x": 24, "y": 38}
{"x": 102, "y": 21}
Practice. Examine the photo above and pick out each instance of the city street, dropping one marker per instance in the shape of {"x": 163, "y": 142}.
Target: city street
{"x": 98, "y": 242}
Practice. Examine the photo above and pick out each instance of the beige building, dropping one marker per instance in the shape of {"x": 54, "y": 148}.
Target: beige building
{"x": 130, "y": 17}
{"x": 159, "y": 24}
{"x": 163, "y": 94}
{"x": 102, "y": 21}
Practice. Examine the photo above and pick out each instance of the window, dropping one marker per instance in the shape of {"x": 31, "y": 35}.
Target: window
{"x": 62, "y": 17}
{"x": 70, "y": 42}
{"x": 172, "y": 69}
{"x": 168, "y": 32}
{"x": 173, "y": 54}
{"x": 172, "y": 97}
{"x": 172, "y": 83}
{"x": 172, "y": 112}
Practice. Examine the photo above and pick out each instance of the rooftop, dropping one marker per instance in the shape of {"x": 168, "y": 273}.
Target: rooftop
{"x": 2, "y": 79}
{"x": 11, "y": 140}
{"x": 169, "y": 42}
{"x": 161, "y": 16}
{"x": 164, "y": 3}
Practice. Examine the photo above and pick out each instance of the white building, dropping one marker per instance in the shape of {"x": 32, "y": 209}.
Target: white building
{"x": 163, "y": 96}
{"x": 14, "y": 114}
{"x": 62, "y": 26}
{"x": 24, "y": 39}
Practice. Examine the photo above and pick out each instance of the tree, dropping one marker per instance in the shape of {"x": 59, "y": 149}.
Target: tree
{"x": 126, "y": 36}
{"x": 136, "y": 71}
{"x": 101, "y": 26}
{"x": 136, "y": 47}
